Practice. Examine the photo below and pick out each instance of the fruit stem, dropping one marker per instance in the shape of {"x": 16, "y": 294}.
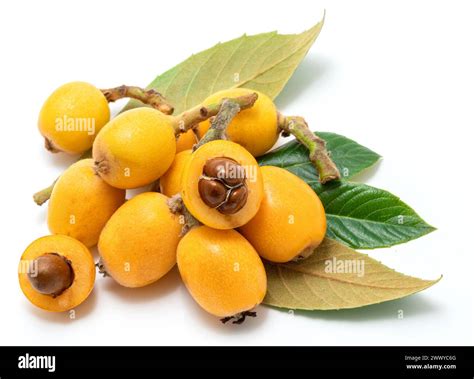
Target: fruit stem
{"x": 239, "y": 318}
{"x": 150, "y": 97}
{"x": 43, "y": 195}
{"x": 318, "y": 155}
{"x": 228, "y": 110}
{"x": 177, "y": 206}
{"x": 199, "y": 113}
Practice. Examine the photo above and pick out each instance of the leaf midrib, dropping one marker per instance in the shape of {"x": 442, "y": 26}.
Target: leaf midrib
{"x": 322, "y": 276}
{"x": 360, "y": 220}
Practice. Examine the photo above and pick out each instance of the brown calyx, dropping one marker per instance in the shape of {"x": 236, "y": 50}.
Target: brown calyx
{"x": 222, "y": 185}
{"x": 48, "y": 145}
{"x": 306, "y": 252}
{"x": 51, "y": 274}
{"x": 101, "y": 166}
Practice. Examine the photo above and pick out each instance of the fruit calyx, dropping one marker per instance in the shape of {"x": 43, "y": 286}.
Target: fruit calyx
{"x": 101, "y": 268}
{"x": 101, "y": 166}
{"x": 49, "y": 145}
{"x": 222, "y": 185}
{"x": 51, "y": 274}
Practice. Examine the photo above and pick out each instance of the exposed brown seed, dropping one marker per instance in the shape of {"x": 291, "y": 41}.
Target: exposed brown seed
{"x": 234, "y": 176}
{"x": 223, "y": 185}
{"x": 51, "y": 274}
{"x": 235, "y": 202}
{"x": 225, "y": 169}
{"x": 215, "y": 167}
{"x": 212, "y": 192}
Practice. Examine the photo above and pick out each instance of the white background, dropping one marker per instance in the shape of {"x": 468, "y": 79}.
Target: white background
{"x": 395, "y": 76}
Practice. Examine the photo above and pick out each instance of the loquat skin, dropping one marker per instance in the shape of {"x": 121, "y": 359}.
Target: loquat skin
{"x": 255, "y": 128}
{"x": 193, "y": 173}
{"x": 81, "y": 203}
{"x": 138, "y": 245}
{"x": 221, "y": 270}
{"x": 186, "y": 141}
{"x": 170, "y": 182}
{"x": 72, "y": 116}
{"x": 135, "y": 148}
{"x": 80, "y": 261}
{"x": 291, "y": 221}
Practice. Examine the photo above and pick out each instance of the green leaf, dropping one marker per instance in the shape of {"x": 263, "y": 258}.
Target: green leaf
{"x": 358, "y": 215}
{"x": 264, "y": 62}
{"x": 365, "y": 217}
{"x": 336, "y": 277}
{"x": 350, "y": 157}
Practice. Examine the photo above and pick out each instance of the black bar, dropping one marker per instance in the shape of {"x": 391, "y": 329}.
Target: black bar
{"x": 379, "y": 361}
